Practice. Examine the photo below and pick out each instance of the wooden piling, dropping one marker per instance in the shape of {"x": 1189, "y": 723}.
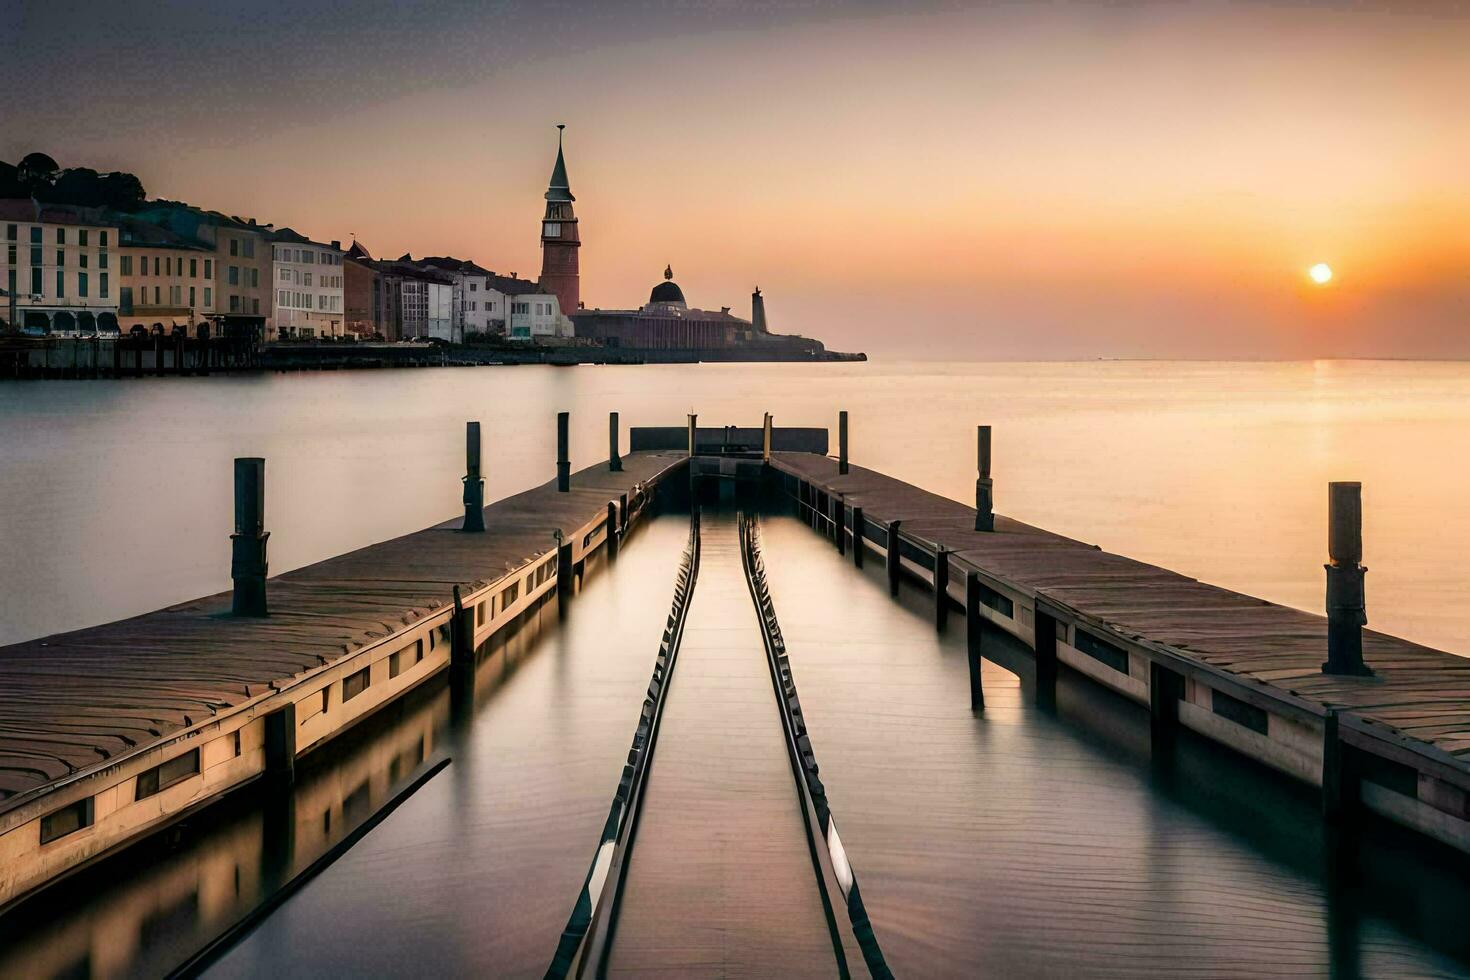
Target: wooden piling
{"x": 941, "y": 588}
{"x": 474, "y": 483}
{"x": 622, "y": 514}
{"x": 892, "y": 557}
{"x": 158, "y": 354}
{"x": 842, "y": 443}
{"x": 1346, "y": 608}
{"x": 1046, "y": 659}
{"x": 766, "y": 438}
{"x": 984, "y": 486}
{"x": 612, "y": 529}
{"x": 693, "y": 419}
{"x": 1165, "y": 691}
{"x": 857, "y": 537}
{"x": 248, "y": 565}
{"x": 614, "y": 458}
{"x": 973, "y": 626}
{"x": 839, "y": 524}
{"x": 563, "y": 452}
{"x": 1340, "y": 776}
{"x": 564, "y": 580}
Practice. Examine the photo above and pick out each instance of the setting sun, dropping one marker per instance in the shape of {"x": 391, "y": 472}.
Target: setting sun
{"x": 1321, "y": 273}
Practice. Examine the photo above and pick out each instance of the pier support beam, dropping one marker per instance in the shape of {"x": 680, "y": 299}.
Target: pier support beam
{"x": 248, "y": 565}
{"x": 893, "y": 557}
{"x": 614, "y": 458}
{"x": 1346, "y": 609}
{"x": 622, "y": 515}
{"x": 857, "y": 537}
{"x": 984, "y": 486}
{"x": 766, "y": 439}
{"x": 612, "y": 529}
{"x": 839, "y": 524}
{"x": 461, "y": 662}
{"x": 474, "y": 484}
{"x": 1046, "y": 659}
{"x": 1165, "y": 691}
{"x": 564, "y": 570}
{"x": 1340, "y": 777}
{"x": 693, "y": 421}
{"x": 842, "y": 443}
{"x": 941, "y": 588}
{"x": 280, "y": 746}
{"x": 563, "y": 452}
{"x": 973, "y": 625}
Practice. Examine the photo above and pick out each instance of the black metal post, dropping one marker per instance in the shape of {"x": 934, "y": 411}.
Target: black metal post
{"x": 612, "y": 529}
{"x": 893, "y": 557}
{"x": 614, "y": 459}
{"x": 248, "y": 566}
{"x": 842, "y": 443}
{"x": 941, "y": 588}
{"x": 563, "y": 453}
{"x": 1346, "y": 609}
{"x": 474, "y": 484}
{"x": 984, "y": 486}
{"x": 857, "y": 537}
{"x": 973, "y": 627}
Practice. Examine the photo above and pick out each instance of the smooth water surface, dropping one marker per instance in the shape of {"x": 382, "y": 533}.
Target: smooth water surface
{"x": 117, "y": 494}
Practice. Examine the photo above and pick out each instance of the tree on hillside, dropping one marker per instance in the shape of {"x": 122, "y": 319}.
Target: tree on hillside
{"x": 36, "y": 171}
{"x": 38, "y": 175}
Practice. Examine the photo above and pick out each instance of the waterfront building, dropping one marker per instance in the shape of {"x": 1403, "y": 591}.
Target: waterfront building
{"x": 58, "y": 275}
{"x": 560, "y": 238}
{"x": 242, "y": 264}
{"x": 416, "y": 300}
{"x": 362, "y": 294}
{"x": 308, "y": 278}
{"x": 165, "y": 281}
{"x": 490, "y": 304}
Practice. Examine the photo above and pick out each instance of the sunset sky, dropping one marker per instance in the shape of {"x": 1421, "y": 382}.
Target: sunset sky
{"x": 938, "y": 180}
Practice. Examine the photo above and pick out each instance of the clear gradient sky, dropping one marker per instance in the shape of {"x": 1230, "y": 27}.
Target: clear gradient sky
{"x": 927, "y": 180}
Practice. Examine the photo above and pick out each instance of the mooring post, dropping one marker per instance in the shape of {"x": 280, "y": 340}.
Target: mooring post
{"x": 158, "y": 370}
{"x": 1340, "y": 777}
{"x": 474, "y": 484}
{"x": 692, "y": 420}
{"x": 614, "y": 459}
{"x": 857, "y": 536}
{"x": 893, "y": 557}
{"x": 941, "y": 588}
{"x": 611, "y": 530}
{"x": 461, "y": 661}
{"x": 564, "y": 571}
{"x": 563, "y": 452}
{"x": 247, "y": 562}
{"x": 622, "y": 514}
{"x": 1346, "y": 612}
{"x": 973, "y": 627}
{"x": 1165, "y": 691}
{"x": 766, "y": 439}
{"x": 984, "y": 487}
{"x": 842, "y": 443}
{"x": 839, "y": 524}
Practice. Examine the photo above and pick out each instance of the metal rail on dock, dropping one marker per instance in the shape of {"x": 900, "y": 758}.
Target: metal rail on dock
{"x": 588, "y": 934}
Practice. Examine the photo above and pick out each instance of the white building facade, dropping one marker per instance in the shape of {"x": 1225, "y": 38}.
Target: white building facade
{"x": 307, "y": 277}
{"x": 58, "y": 273}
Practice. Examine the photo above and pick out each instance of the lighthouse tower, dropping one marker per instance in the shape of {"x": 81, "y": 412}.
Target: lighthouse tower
{"x": 559, "y": 241}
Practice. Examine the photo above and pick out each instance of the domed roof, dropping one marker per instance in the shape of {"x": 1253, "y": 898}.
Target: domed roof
{"x": 666, "y": 293}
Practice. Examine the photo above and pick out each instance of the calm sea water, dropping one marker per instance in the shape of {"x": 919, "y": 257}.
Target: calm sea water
{"x": 116, "y": 495}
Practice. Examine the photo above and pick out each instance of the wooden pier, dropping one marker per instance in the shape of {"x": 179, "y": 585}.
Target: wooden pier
{"x": 109, "y": 733}
{"x": 1237, "y": 669}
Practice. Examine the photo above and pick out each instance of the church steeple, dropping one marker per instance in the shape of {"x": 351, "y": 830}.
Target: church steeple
{"x": 560, "y": 273}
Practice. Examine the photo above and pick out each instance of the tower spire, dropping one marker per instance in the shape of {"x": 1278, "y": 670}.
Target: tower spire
{"x": 559, "y": 189}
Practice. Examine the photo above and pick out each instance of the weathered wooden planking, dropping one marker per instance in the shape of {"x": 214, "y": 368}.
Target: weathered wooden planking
{"x": 75, "y": 699}
{"x": 1258, "y": 640}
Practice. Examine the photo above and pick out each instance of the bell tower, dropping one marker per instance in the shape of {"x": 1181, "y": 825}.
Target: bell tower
{"x": 559, "y": 240}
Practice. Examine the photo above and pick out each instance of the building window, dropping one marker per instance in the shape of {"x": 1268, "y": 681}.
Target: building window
{"x": 234, "y": 303}
{"x": 11, "y": 232}
{"x": 155, "y": 265}
{"x": 234, "y": 276}
{"x": 67, "y": 820}
{"x": 102, "y": 238}
{"x": 102, "y": 285}
{"x": 255, "y": 306}
{"x": 81, "y": 284}
{"x": 82, "y": 260}
{"x": 82, "y": 238}
{"x": 193, "y": 268}
{"x": 61, "y": 236}
{"x": 101, "y": 260}
{"x": 285, "y": 275}
{"x": 234, "y": 247}
{"x": 125, "y": 299}
{"x": 255, "y": 277}
{"x": 60, "y": 257}
{"x": 208, "y": 296}
{"x": 168, "y": 266}
{"x": 35, "y": 255}
{"x": 60, "y": 284}
{"x": 36, "y": 235}
{"x": 161, "y": 777}
{"x": 157, "y": 295}
{"x": 208, "y": 268}
{"x": 36, "y": 280}
{"x": 191, "y": 297}
{"x": 250, "y": 248}
{"x": 10, "y": 252}
{"x": 175, "y": 295}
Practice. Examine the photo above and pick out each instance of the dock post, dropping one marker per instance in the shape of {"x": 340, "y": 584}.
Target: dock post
{"x": 941, "y": 588}
{"x": 693, "y": 419}
{"x": 614, "y": 459}
{"x": 248, "y": 544}
{"x": 857, "y": 537}
{"x": 158, "y": 370}
{"x": 1046, "y": 659}
{"x": 766, "y": 439}
{"x": 622, "y": 514}
{"x": 564, "y": 571}
{"x": 611, "y": 530}
{"x": 892, "y": 557}
{"x": 280, "y": 746}
{"x": 461, "y": 661}
{"x": 839, "y": 524}
{"x": 1340, "y": 786}
{"x": 973, "y": 627}
{"x": 984, "y": 486}
{"x": 563, "y": 452}
{"x": 1346, "y": 613}
{"x": 1165, "y": 691}
{"x": 842, "y": 443}
{"x": 474, "y": 484}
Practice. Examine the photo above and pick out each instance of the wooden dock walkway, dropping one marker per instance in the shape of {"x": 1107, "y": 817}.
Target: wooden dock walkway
{"x": 1249, "y": 671}
{"x": 111, "y": 731}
